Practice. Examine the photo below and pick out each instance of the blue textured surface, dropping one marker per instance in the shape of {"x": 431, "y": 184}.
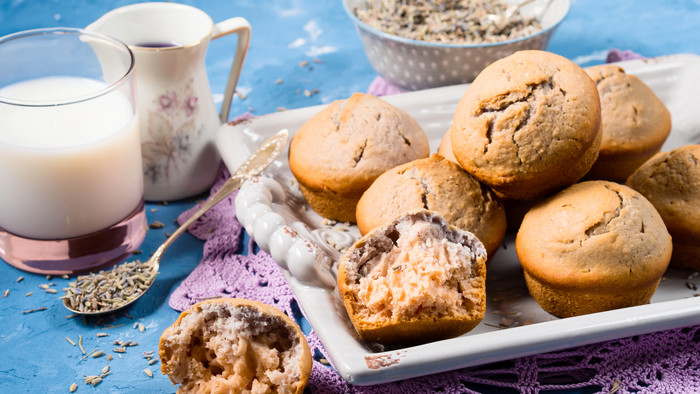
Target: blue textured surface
{"x": 34, "y": 354}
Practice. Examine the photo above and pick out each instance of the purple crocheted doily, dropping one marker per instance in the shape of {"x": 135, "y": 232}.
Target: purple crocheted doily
{"x": 661, "y": 362}
{"x": 617, "y": 55}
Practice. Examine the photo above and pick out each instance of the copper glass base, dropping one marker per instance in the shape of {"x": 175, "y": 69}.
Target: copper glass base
{"x": 88, "y": 252}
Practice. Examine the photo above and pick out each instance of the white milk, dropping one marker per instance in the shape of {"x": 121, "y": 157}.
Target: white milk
{"x": 71, "y": 169}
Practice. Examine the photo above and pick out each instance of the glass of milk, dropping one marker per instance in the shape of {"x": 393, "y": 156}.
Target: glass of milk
{"x": 70, "y": 155}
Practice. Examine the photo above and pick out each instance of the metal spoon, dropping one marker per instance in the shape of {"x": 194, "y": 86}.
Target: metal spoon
{"x": 254, "y": 165}
{"x": 501, "y": 20}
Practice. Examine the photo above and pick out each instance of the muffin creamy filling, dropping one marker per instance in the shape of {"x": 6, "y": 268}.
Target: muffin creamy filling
{"x": 438, "y": 185}
{"x": 422, "y": 272}
{"x": 233, "y": 348}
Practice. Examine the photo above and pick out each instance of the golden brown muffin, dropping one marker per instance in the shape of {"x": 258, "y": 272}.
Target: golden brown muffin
{"x": 515, "y": 209}
{"x": 414, "y": 280}
{"x": 340, "y": 151}
{"x": 671, "y": 181}
{"x": 593, "y": 247}
{"x": 231, "y": 345}
{"x": 528, "y": 125}
{"x": 445, "y": 148}
{"x": 635, "y": 123}
{"x": 434, "y": 184}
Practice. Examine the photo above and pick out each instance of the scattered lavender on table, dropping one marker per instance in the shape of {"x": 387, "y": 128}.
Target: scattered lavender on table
{"x": 446, "y": 21}
{"x": 89, "y": 354}
{"x": 43, "y": 308}
{"x": 96, "y": 379}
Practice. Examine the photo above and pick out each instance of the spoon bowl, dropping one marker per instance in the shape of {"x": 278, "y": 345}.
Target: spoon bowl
{"x": 502, "y": 19}
{"x": 141, "y": 276}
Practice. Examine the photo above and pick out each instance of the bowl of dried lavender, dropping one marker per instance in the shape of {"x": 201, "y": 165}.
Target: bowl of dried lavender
{"x": 420, "y": 44}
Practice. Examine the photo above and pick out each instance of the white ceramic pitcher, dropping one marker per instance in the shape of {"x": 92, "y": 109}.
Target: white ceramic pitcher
{"x": 177, "y": 114}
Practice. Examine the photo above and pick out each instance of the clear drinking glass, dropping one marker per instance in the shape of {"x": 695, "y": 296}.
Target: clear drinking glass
{"x": 70, "y": 154}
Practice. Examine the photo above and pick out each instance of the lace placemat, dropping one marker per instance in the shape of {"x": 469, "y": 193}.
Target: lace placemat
{"x": 660, "y": 362}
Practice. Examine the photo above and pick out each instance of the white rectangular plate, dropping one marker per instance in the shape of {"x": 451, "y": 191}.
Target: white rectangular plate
{"x": 530, "y": 330}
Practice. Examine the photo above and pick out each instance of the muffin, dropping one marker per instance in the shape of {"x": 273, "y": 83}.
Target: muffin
{"x": 515, "y": 209}
{"x": 340, "y": 151}
{"x": 445, "y": 148}
{"x": 592, "y": 247}
{"x": 528, "y": 125}
{"x": 434, "y": 184}
{"x": 414, "y": 280}
{"x": 671, "y": 181}
{"x": 235, "y": 345}
{"x": 635, "y": 123}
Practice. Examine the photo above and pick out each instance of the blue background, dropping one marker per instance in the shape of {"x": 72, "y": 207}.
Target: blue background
{"x": 34, "y": 354}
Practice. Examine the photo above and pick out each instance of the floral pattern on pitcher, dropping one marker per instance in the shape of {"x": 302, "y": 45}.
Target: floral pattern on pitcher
{"x": 172, "y": 130}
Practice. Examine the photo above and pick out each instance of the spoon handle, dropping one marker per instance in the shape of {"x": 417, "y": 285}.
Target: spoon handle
{"x": 231, "y": 185}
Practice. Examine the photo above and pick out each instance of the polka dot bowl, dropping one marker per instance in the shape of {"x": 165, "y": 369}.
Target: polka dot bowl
{"x": 415, "y": 65}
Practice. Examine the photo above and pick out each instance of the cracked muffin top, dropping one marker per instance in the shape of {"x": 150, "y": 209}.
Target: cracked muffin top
{"x": 635, "y": 122}
{"x": 633, "y": 117}
{"x": 528, "y": 125}
{"x": 595, "y": 235}
{"x": 671, "y": 181}
{"x": 434, "y": 184}
{"x": 348, "y": 144}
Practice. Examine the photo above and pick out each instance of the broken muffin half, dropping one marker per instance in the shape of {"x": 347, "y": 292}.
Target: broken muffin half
{"x": 233, "y": 345}
{"x": 414, "y": 280}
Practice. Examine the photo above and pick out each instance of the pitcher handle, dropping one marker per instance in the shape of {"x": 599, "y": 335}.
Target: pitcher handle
{"x": 241, "y": 27}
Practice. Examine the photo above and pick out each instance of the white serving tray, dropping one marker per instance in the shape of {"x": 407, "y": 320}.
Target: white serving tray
{"x": 276, "y": 216}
